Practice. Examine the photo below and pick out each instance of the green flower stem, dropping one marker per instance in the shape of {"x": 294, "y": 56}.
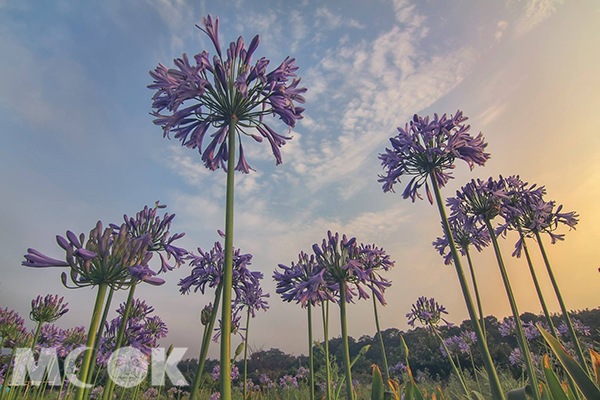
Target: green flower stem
{"x": 474, "y": 370}
{"x": 98, "y": 336}
{"x": 89, "y": 344}
{"x": 38, "y": 329}
{"x": 245, "y": 393}
{"x": 476, "y": 290}
{"x": 325, "y": 312}
{"x": 513, "y": 305}
{"x": 386, "y": 377}
{"x": 346, "y": 352}
{"x": 225, "y": 380}
{"x": 537, "y": 286}
{"x": 562, "y": 306}
{"x": 110, "y": 385}
{"x": 495, "y": 386}
{"x": 311, "y": 377}
{"x": 208, "y": 329}
{"x": 454, "y": 366}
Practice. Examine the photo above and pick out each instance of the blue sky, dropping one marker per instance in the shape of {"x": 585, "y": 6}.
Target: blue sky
{"x": 79, "y": 144}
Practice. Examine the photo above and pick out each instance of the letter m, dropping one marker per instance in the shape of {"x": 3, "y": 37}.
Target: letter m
{"x": 25, "y": 364}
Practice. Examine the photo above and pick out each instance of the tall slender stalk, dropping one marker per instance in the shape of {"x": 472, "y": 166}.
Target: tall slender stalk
{"x": 474, "y": 370}
{"x": 325, "y": 312}
{"x": 110, "y": 385}
{"x": 225, "y": 379}
{"x": 386, "y": 372}
{"x": 349, "y": 393}
{"x": 538, "y": 289}
{"x": 495, "y": 386}
{"x": 513, "y": 305}
{"x": 456, "y": 370}
{"x": 476, "y": 290}
{"x": 562, "y": 305}
{"x": 99, "y": 336}
{"x": 91, "y": 339}
{"x": 311, "y": 377}
{"x": 208, "y": 328}
{"x": 7, "y": 375}
{"x": 36, "y": 336}
{"x": 245, "y": 394}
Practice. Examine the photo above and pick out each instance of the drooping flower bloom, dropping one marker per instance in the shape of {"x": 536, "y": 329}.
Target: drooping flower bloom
{"x": 48, "y": 309}
{"x": 466, "y": 232}
{"x": 208, "y": 270}
{"x": 200, "y": 94}
{"x": 148, "y": 222}
{"x": 303, "y": 282}
{"x": 104, "y": 259}
{"x": 426, "y": 147}
{"x": 478, "y": 200}
{"x": 427, "y": 311}
{"x": 374, "y": 259}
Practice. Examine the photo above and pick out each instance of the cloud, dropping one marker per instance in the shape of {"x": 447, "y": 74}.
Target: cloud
{"x": 535, "y": 12}
{"x": 378, "y": 84}
{"x": 327, "y": 20}
{"x": 500, "y": 31}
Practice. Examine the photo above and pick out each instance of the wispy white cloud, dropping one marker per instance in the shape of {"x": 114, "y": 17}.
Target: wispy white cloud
{"x": 535, "y": 12}
{"x": 325, "y": 19}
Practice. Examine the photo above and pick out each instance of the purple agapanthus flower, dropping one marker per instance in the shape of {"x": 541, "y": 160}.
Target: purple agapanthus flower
{"x": 216, "y": 372}
{"x": 303, "y": 282}
{"x": 72, "y": 339}
{"x": 51, "y": 336}
{"x": 398, "y": 369}
{"x": 578, "y": 326}
{"x": 466, "y": 232}
{"x": 525, "y": 209}
{"x": 456, "y": 345}
{"x": 104, "y": 258}
{"x": 342, "y": 262}
{"x": 48, "y": 309}
{"x": 147, "y": 221}
{"x": 203, "y": 93}
{"x": 374, "y": 259}
{"x": 11, "y": 326}
{"x": 207, "y": 270}
{"x": 427, "y": 311}
{"x": 516, "y": 358}
{"x": 429, "y": 147}
{"x": 142, "y": 330}
{"x": 478, "y": 200}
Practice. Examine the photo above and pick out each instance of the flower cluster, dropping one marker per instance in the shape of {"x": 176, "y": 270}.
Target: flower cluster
{"x": 525, "y": 210}
{"x": 516, "y": 358}
{"x": 456, "y": 345}
{"x": 429, "y": 147}
{"x": 47, "y": 309}
{"x": 142, "y": 331}
{"x": 109, "y": 257}
{"x": 219, "y": 91}
{"x": 478, "y": 200}
{"x": 465, "y": 233}
{"x": 318, "y": 277}
{"x": 398, "y": 369}
{"x": 288, "y": 382}
{"x": 147, "y": 221}
{"x": 11, "y": 326}
{"x": 216, "y": 372}
{"x": 427, "y": 311}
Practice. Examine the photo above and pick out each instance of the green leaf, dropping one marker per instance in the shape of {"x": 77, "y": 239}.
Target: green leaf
{"x": 583, "y": 382}
{"x": 554, "y": 385}
{"x": 377, "y": 384}
{"x": 476, "y": 395}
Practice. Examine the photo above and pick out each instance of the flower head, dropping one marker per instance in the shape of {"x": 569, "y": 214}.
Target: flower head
{"x": 48, "y": 309}
{"x": 104, "y": 258}
{"x": 207, "y": 270}
{"x": 427, "y": 311}
{"x": 303, "y": 282}
{"x": 220, "y": 90}
{"x": 478, "y": 200}
{"x": 466, "y": 232}
{"x": 11, "y": 326}
{"x": 147, "y": 221}
{"x": 430, "y": 146}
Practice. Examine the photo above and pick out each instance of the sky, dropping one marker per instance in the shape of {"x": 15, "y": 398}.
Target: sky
{"x": 79, "y": 145}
